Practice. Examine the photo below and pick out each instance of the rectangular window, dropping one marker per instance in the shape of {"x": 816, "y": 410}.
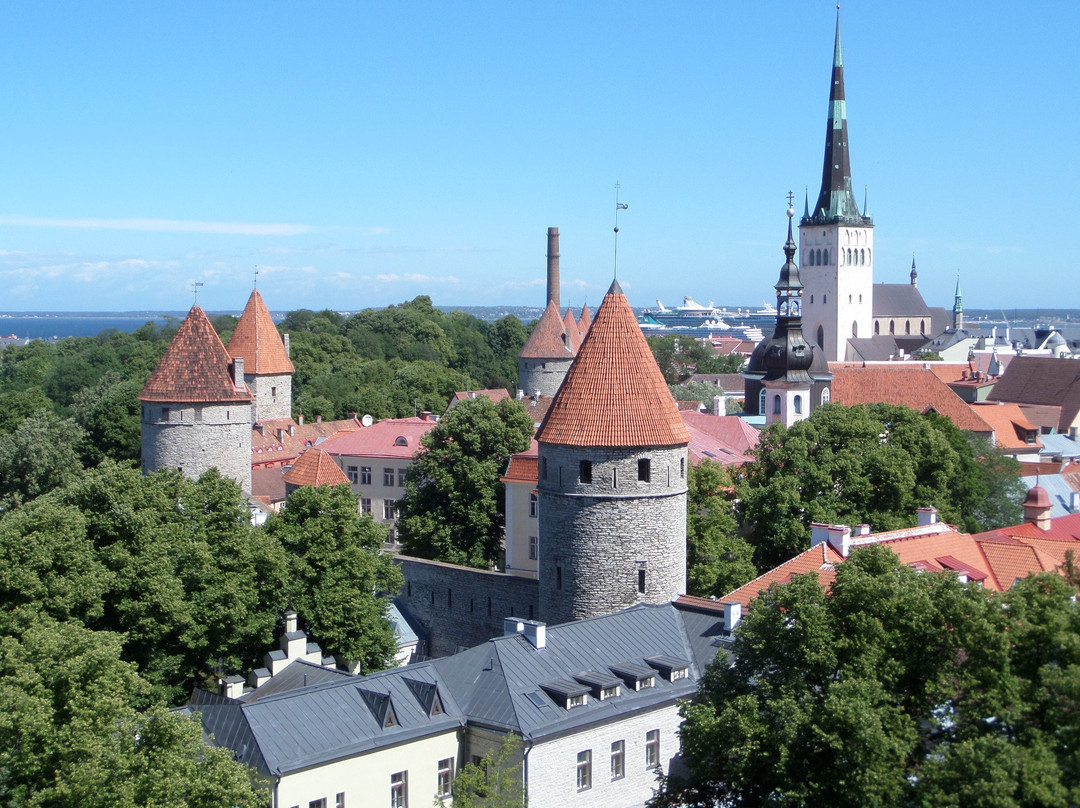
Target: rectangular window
{"x": 340, "y": 801}
{"x": 165, "y": 414}
{"x": 644, "y": 470}
{"x": 365, "y": 475}
{"x": 618, "y": 760}
{"x": 388, "y": 477}
{"x": 353, "y": 473}
{"x": 584, "y": 770}
{"x": 365, "y": 504}
{"x": 319, "y": 803}
{"x": 446, "y": 777}
{"x": 388, "y": 506}
{"x": 641, "y": 581}
{"x": 532, "y": 505}
{"x": 399, "y": 790}
{"x": 652, "y": 748}
{"x": 558, "y": 577}
{"x": 585, "y": 471}
{"x": 534, "y": 550}
{"x": 273, "y": 392}
{"x": 401, "y": 478}
{"x": 577, "y": 700}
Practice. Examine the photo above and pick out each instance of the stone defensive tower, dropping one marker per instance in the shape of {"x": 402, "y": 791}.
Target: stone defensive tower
{"x": 612, "y": 487}
{"x": 196, "y": 408}
{"x": 267, "y": 367}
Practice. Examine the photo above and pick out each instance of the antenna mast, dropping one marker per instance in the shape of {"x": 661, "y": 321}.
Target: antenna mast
{"x": 618, "y": 206}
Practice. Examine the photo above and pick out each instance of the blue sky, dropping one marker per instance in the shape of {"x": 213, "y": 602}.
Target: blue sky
{"x": 361, "y": 154}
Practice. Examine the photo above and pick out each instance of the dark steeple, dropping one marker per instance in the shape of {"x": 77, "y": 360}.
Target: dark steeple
{"x": 914, "y": 272}
{"x": 836, "y": 202}
{"x": 787, "y": 354}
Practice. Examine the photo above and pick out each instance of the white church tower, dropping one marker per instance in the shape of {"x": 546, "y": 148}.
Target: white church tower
{"x": 836, "y": 241}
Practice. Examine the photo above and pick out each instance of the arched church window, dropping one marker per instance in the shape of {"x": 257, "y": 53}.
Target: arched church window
{"x": 761, "y": 403}
{"x": 907, "y": 327}
{"x": 825, "y": 396}
{"x": 811, "y": 298}
{"x": 877, "y": 328}
{"x": 922, "y": 327}
{"x": 821, "y": 337}
{"x": 797, "y": 403}
{"x": 849, "y": 298}
{"x": 818, "y": 257}
{"x": 824, "y": 299}
{"x": 854, "y": 328}
{"x": 892, "y": 326}
{"x": 776, "y": 405}
{"x": 810, "y": 258}
{"x": 825, "y": 257}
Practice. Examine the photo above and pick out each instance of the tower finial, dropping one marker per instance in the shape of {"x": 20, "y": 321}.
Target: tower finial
{"x": 195, "y": 291}
{"x": 618, "y": 206}
{"x": 255, "y": 284}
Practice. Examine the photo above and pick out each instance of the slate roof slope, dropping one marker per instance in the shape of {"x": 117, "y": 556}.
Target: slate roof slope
{"x": 195, "y": 367}
{"x": 913, "y": 387}
{"x": 1041, "y": 380}
{"x": 499, "y": 683}
{"x": 329, "y": 720}
{"x": 548, "y": 339}
{"x": 614, "y": 395}
{"x": 900, "y": 300}
{"x": 315, "y": 467}
{"x": 257, "y": 341}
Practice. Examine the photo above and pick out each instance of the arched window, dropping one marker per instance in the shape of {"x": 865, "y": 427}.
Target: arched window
{"x": 825, "y": 396}
{"x": 811, "y": 298}
{"x": 797, "y": 403}
{"x": 922, "y": 327}
{"x": 892, "y": 326}
{"x": 821, "y": 337}
{"x": 849, "y": 259}
{"x": 819, "y": 257}
{"x": 810, "y": 258}
{"x": 877, "y": 328}
{"x": 824, "y": 299}
{"x": 854, "y": 328}
{"x": 776, "y": 405}
{"x": 907, "y": 327}
{"x": 849, "y": 299}
{"x": 761, "y": 403}
{"x": 825, "y": 259}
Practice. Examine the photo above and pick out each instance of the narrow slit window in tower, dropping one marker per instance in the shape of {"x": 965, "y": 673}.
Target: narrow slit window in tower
{"x": 585, "y": 471}
{"x": 644, "y": 470}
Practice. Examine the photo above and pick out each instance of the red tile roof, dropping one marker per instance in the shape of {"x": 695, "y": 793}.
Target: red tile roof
{"x": 267, "y": 485}
{"x": 495, "y": 395}
{"x": 257, "y": 341}
{"x": 1042, "y": 380}
{"x": 390, "y": 438}
{"x": 821, "y": 559}
{"x": 548, "y": 340}
{"x": 614, "y": 394}
{"x": 195, "y": 368}
{"x": 585, "y": 321}
{"x": 277, "y": 441}
{"x": 913, "y": 387}
{"x": 523, "y": 467}
{"x": 725, "y": 439}
{"x": 315, "y": 467}
{"x": 1010, "y": 425}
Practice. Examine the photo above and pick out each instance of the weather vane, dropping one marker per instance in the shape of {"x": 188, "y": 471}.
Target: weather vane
{"x": 256, "y": 276}
{"x": 195, "y": 290}
{"x": 618, "y": 206}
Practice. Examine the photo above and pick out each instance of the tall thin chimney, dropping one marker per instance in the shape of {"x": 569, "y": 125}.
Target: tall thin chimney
{"x": 553, "y": 266}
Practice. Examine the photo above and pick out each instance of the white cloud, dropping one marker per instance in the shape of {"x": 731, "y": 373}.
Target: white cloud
{"x": 412, "y": 277}
{"x": 169, "y": 226}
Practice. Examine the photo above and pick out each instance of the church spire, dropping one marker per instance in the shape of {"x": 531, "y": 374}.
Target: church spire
{"x": 914, "y": 272}
{"x": 958, "y": 306}
{"x": 836, "y": 202}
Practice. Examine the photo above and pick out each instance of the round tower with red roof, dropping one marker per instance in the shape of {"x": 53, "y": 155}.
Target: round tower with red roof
{"x": 196, "y": 408}
{"x": 612, "y": 487}
{"x": 267, "y": 367}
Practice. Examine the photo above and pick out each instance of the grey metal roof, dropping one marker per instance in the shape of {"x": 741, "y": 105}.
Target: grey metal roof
{"x": 1057, "y": 487}
{"x": 494, "y": 681}
{"x": 1058, "y": 444}
{"x": 300, "y": 673}
{"x": 899, "y": 300}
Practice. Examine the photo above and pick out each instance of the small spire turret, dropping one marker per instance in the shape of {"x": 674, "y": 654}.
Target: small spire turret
{"x": 914, "y": 272}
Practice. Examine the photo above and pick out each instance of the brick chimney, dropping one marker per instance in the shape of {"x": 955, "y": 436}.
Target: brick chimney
{"x": 553, "y": 293}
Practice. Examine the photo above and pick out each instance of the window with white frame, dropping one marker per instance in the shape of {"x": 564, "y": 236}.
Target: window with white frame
{"x": 584, "y": 770}
{"x": 401, "y": 478}
{"x": 618, "y": 760}
{"x": 340, "y": 801}
{"x": 365, "y": 504}
{"x": 399, "y": 790}
{"x": 446, "y": 777}
{"x": 388, "y": 477}
{"x": 319, "y": 803}
{"x": 353, "y": 473}
{"x": 534, "y": 548}
{"x": 365, "y": 475}
{"x": 388, "y": 507}
{"x": 652, "y": 748}
{"x": 532, "y": 504}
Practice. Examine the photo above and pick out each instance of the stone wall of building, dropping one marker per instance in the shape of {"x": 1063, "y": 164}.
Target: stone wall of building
{"x": 460, "y": 606}
{"x": 197, "y": 437}
{"x": 614, "y": 541}
{"x": 543, "y": 375}
{"x": 273, "y": 395}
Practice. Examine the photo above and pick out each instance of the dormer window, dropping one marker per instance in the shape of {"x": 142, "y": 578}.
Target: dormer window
{"x": 634, "y": 675}
{"x": 601, "y": 685}
{"x": 671, "y": 668}
{"x": 567, "y": 693}
{"x": 401, "y": 440}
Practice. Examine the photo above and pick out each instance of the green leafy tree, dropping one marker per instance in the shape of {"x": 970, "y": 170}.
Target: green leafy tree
{"x": 893, "y": 688}
{"x": 495, "y": 782}
{"x": 111, "y": 415}
{"x": 71, "y": 736}
{"x": 718, "y": 559}
{"x": 40, "y": 455}
{"x": 453, "y": 507}
{"x": 872, "y": 464}
{"x": 338, "y": 579}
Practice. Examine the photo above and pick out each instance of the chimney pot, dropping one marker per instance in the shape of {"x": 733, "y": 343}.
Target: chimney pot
{"x": 926, "y": 516}
{"x": 290, "y": 621}
{"x": 719, "y": 405}
{"x": 300, "y": 417}
{"x": 732, "y": 615}
{"x": 238, "y": 371}
{"x": 281, "y": 435}
{"x": 520, "y": 395}
{"x": 318, "y": 419}
{"x": 511, "y": 626}
{"x": 288, "y": 347}
{"x": 292, "y": 430}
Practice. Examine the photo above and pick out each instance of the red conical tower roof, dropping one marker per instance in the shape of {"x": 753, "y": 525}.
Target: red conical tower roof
{"x": 315, "y": 467}
{"x": 548, "y": 339}
{"x": 614, "y": 393}
{"x": 195, "y": 367}
{"x": 257, "y": 341}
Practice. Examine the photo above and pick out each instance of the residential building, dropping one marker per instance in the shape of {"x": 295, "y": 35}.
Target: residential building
{"x": 1040, "y": 382}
